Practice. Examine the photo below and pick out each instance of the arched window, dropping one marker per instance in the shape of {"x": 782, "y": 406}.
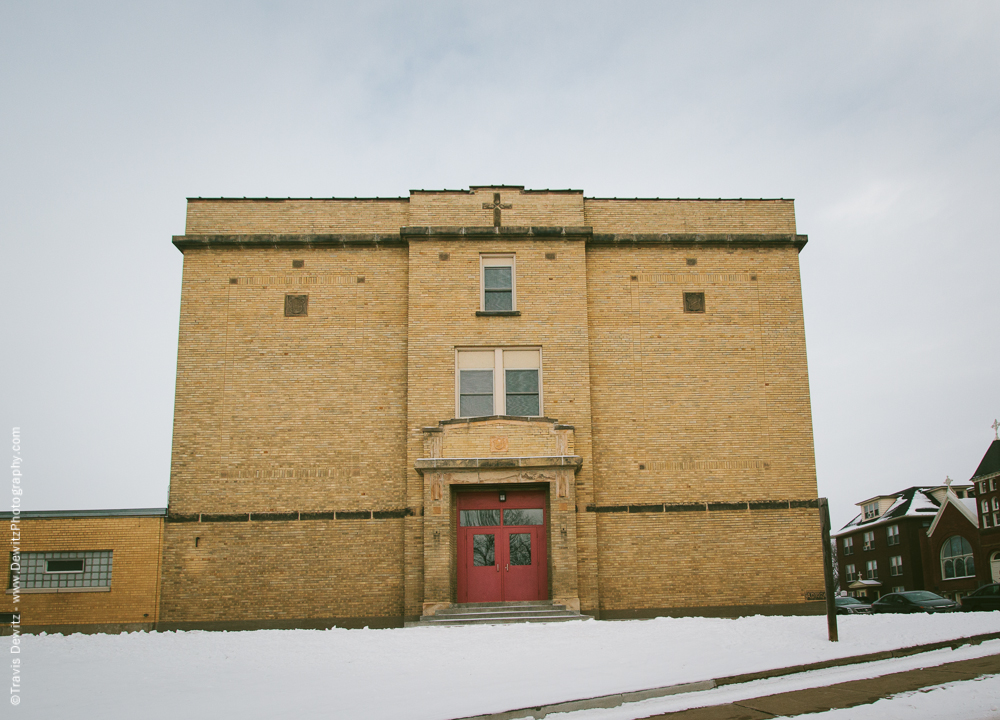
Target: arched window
{"x": 956, "y": 558}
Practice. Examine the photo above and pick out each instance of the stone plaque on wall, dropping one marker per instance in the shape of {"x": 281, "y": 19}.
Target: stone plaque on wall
{"x": 296, "y": 305}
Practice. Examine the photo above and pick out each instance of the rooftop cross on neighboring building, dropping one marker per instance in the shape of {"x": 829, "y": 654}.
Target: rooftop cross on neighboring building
{"x": 996, "y": 429}
{"x": 496, "y": 206}
{"x": 948, "y": 481}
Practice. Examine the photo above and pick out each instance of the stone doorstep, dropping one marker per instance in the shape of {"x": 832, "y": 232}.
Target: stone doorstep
{"x": 500, "y": 609}
{"x": 499, "y": 613}
{"x": 498, "y": 621}
{"x": 713, "y": 711}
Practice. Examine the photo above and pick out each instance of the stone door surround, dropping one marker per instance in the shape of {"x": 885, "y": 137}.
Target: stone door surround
{"x": 496, "y": 451}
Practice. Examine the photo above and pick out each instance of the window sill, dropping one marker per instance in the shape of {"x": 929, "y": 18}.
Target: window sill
{"x": 39, "y": 591}
{"x": 503, "y": 313}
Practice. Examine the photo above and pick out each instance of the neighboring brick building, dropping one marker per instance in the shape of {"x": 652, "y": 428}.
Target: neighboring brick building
{"x": 987, "y": 482}
{"x": 360, "y": 381}
{"x": 83, "y": 570}
{"x": 882, "y": 549}
{"x": 922, "y": 538}
{"x": 953, "y": 558}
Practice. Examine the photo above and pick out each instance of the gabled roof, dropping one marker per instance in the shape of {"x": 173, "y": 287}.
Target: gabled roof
{"x": 912, "y": 502}
{"x": 990, "y": 464}
{"x": 965, "y": 506}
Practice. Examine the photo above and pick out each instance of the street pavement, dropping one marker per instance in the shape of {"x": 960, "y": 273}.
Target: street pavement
{"x": 842, "y": 695}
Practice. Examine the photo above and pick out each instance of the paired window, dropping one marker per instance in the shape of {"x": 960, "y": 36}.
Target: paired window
{"x": 996, "y": 503}
{"x": 896, "y": 565}
{"x": 871, "y": 510}
{"x": 848, "y": 546}
{"x": 869, "y": 541}
{"x": 498, "y": 284}
{"x": 851, "y": 573}
{"x": 986, "y": 506}
{"x": 871, "y": 569}
{"x": 956, "y": 558}
{"x": 499, "y": 382}
{"x": 993, "y": 483}
{"x": 78, "y": 569}
{"x": 892, "y": 535}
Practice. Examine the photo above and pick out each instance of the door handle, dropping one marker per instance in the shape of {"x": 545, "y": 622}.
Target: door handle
{"x": 498, "y": 567}
{"x": 506, "y": 568}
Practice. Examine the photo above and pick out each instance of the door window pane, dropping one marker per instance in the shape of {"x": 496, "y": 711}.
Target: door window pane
{"x": 523, "y": 517}
{"x": 482, "y": 550}
{"x": 479, "y": 518}
{"x": 520, "y": 549}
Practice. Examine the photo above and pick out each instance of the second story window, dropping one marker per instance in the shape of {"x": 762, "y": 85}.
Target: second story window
{"x": 499, "y": 381}
{"x": 848, "y": 546}
{"x": 872, "y": 569}
{"x": 892, "y": 535}
{"x": 498, "y": 285}
{"x": 851, "y": 573}
{"x": 869, "y": 540}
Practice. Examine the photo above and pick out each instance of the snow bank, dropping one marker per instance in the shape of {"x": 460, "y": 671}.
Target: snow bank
{"x": 430, "y": 673}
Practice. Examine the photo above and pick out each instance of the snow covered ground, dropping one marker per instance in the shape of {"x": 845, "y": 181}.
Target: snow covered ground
{"x": 437, "y": 673}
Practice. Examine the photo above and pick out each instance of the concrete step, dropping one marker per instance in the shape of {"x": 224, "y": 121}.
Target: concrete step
{"x": 499, "y": 614}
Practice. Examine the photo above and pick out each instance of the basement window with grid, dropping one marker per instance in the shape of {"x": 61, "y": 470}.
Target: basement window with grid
{"x": 500, "y": 381}
{"x": 75, "y": 569}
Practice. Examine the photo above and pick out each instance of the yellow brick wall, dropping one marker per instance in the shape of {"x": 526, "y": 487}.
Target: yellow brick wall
{"x": 716, "y": 558}
{"x": 278, "y": 413}
{"x": 133, "y": 598}
{"x": 465, "y": 209}
{"x": 288, "y": 414}
{"x": 326, "y": 413}
{"x": 690, "y": 216}
{"x": 443, "y": 301}
{"x": 239, "y": 217}
{"x": 714, "y": 405}
{"x": 284, "y": 570}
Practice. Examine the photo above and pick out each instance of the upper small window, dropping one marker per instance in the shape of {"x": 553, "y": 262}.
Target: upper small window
{"x": 892, "y": 535}
{"x": 848, "y": 545}
{"x": 871, "y": 510}
{"x": 498, "y": 284}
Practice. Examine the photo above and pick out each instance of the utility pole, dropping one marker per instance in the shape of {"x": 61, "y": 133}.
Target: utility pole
{"x": 831, "y": 605}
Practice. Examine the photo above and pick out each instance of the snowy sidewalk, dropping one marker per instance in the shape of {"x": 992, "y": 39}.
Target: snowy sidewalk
{"x": 433, "y": 673}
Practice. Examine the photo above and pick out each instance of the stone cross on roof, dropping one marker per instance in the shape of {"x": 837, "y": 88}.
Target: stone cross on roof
{"x": 496, "y": 206}
{"x": 996, "y": 429}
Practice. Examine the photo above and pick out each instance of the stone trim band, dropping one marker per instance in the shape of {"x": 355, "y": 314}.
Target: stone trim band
{"x": 297, "y": 515}
{"x": 706, "y": 507}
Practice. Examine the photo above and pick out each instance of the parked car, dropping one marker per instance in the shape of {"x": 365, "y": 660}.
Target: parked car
{"x": 852, "y": 606}
{"x": 985, "y": 598}
{"x": 913, "y": 601}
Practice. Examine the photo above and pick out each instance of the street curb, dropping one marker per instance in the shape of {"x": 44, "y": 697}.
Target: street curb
{"x": 616, "y": 699}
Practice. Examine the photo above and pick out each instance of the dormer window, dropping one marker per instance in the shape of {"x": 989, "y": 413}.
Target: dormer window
{"x": 871, "y": 510}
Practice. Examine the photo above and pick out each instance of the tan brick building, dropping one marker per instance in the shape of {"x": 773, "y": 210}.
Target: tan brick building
{"x": 388, "y": 405}
{"x": 82, "y": 570}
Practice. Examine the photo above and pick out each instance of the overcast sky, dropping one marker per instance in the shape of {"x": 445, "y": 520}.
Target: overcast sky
{"x": 880, "y": 120}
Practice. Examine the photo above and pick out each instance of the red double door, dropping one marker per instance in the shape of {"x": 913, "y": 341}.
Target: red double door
{"x": 501, "y": 546}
